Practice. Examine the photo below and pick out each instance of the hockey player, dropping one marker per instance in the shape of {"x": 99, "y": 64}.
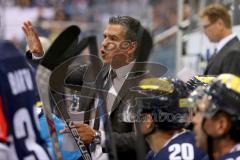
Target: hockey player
{"x": 160, "y": 110}
{"x": 19, "y": 131}
{"x": 217, "y": 118}
{"x": 195, "y": 82}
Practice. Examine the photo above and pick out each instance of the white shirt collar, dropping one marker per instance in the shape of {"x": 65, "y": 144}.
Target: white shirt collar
{"x": 224, "y": 41}
{"x": 124, "y": 70}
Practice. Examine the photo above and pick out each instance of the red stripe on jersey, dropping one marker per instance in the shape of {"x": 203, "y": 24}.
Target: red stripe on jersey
{"x": 3, "y": 123}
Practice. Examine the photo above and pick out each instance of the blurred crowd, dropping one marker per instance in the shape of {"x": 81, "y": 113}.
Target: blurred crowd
{"x": 50, "y": 17}
{"x": 117, "y": 106}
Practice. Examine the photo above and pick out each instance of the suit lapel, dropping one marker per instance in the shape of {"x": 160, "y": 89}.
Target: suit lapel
{"x": 100, "y": 86}
{"x": 87, "y": 104}
{"x": 219, "y": 54}
{"x": 211, "y": 61}
{"x": 133, "y": 78}
{"x": 102, "y": 77}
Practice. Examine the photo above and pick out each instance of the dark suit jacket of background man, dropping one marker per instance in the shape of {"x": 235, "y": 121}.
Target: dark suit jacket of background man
{"x": 227, "y": 60}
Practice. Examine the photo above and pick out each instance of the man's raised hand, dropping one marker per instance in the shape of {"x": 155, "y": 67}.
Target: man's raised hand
{"x": 32, "y": 39}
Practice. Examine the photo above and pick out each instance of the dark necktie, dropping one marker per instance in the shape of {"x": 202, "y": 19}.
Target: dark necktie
{"x": 109, "y": 80}
{"x": 108, "y": 83}
{"x": 214, "y": 54}
{"x": 106, "y": 86}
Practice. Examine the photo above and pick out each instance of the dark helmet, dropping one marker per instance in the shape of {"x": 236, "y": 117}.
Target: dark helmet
{"x": 224, "y": 95}
{"x": 197, "y": 81}
{"x": 165, "y": 99}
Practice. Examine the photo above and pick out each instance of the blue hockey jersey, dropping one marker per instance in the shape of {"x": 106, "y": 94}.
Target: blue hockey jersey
{"x": 19, "y": 129}
{"x": 230, "y": 156}
{"x": 180, "y": 147}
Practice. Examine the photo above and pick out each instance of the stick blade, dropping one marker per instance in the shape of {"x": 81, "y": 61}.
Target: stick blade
{"x": 61, "y": 47}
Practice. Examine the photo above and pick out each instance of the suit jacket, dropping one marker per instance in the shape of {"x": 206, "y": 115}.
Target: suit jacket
{"x": 122, "y": 134}
{"x": 226, "y": 60}
{"x": 33, "y": 62}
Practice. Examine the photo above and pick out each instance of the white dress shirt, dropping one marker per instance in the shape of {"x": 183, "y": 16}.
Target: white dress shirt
{"x": 118, "y": 81}
{"x": 68, "y": 142}
{"x": 224, "y": 41}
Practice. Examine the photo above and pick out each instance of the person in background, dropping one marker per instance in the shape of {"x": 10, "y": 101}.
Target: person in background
{"x": 217, "y": 26}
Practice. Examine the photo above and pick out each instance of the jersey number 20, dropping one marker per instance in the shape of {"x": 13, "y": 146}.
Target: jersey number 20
{"x": 183, "y": 151}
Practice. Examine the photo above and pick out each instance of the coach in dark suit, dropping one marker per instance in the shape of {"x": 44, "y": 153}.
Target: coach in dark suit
{"x": 119, "y": 52}
{"x": 122, "y": 46}
{"x": 216, "y": 23}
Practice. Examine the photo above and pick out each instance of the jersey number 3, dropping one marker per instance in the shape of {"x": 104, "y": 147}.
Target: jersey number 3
{"x": 23, "y": 129}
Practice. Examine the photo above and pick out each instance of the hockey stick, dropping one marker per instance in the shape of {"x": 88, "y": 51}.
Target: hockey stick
{"x": 57, "y": 80}
{"x": 92, "y": 72}
{"x": 60, "y": 98}
{"x": 42, "y": 77}
{"x": 59, "y": 94}
{"x": 52, "y": 59}
{"x": 67, "y": 38}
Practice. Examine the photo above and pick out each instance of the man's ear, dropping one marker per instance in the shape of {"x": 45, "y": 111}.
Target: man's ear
{"x": 149, "y": 121}
{"x": 221, "y": 24}
{"x": 132, "y": 47}
{"x": 132, "y": 51}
